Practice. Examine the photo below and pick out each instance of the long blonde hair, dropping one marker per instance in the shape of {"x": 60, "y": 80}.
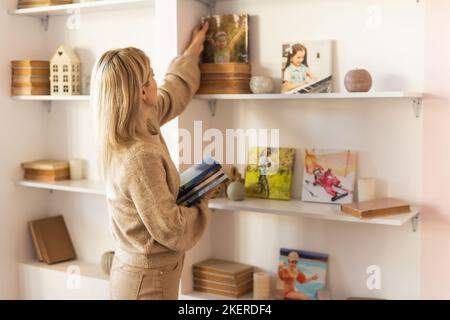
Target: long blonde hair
{"x": 116, "y": 86}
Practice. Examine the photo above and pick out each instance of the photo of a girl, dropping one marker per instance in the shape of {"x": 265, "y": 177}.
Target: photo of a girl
{"x": 297, "y": 72}
{"x": 307, "y": 67}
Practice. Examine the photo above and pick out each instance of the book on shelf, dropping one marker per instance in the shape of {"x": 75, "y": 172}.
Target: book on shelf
{"x": 376, "y": 208}
{"x": 52, "y": 240}
{"x": 199, "y": 180}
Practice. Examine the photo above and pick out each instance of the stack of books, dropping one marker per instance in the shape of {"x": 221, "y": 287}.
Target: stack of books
{"x": 30, "y": 78}
{"x": 52, "y": 240}
{"x": 199, "y": 180}
{"x": 40, "y": 3}
{"x": 225, "y": 278}
{"x": 46, "y": 170}
{"x": 230, "y": 78}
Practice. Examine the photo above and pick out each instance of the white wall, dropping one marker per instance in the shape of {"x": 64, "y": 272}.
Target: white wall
{"x": 385, "y": 133}
{"x": 22, "y": 137}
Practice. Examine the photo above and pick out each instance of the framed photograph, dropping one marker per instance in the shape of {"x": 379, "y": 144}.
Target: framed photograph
{"x": 269, "y": 173}
{"x": 307, "y": 67}
{"x": 227, "y": 39}
{"x": 301, "y": 274}
{"x": 329, "y": 176}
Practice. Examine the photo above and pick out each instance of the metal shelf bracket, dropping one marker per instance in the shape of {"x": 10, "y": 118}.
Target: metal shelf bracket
{"x": 415, "y": 223}
{"x": 212, "y": 104}
{"x": 211, "y": 4}
{"x": 417, "y": 105}
{"x": 44, "y": 22}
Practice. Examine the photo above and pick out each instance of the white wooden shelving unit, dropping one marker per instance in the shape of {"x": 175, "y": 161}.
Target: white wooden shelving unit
{"x": 293, "y": 208}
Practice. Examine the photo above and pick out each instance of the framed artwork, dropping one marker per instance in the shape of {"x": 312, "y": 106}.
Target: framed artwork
{"x": 329, "y": 176}
{"x": 269, "y": 173}
{"x": 307, "y": 67}
{"x": 301, "y": 274}
{"x": 227, "y": 39}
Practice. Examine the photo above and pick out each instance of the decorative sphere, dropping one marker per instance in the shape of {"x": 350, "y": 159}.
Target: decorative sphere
{"x": 107, "y": 260}
{"x": 236, "y": 191}
{"x": 261, "y": 84}
{"x": 358, "y": 80}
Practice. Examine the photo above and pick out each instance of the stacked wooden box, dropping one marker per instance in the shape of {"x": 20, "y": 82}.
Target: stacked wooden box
{"x": 40, "y": 3}
{"x": 30, "y": 78}
{"x": 229, "y": 78}
{"x": 223, "y": 278}
{"x": 46, "y": 170}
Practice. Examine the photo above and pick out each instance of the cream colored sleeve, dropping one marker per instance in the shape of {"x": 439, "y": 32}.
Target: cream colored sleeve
{"x": 175, "y": 227}
{"x": 181, "y": 82}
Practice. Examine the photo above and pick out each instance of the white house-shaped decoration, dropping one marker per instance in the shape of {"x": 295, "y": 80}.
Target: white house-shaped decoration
{"x": 65, "y": 73}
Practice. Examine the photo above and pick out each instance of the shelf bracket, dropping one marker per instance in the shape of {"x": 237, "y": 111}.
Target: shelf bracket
{"x": 211, "y": 4}
{"x": 212, "y": 104}
{"x": 44, "y": 22}
{"x": 48, "y": 104}
{"x": 417, "y": 105}
{"x": 415, "y": 223}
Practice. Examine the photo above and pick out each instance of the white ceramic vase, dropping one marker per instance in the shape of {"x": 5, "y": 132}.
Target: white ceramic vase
{"x": 261, "y": 84}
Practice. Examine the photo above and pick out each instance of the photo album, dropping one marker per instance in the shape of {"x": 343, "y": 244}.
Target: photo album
{"x": 199, "y": 180}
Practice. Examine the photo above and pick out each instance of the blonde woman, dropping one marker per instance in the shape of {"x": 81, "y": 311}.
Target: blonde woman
{"x": 151, "y": 231}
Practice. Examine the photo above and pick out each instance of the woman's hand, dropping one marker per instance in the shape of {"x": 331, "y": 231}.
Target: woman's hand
{"x": 198, "y": 38}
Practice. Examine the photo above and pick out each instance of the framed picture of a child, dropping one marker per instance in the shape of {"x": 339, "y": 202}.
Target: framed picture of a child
{"x": 227, "y": 39}
{"x": 301, "y": 274}
{"x": 307, "y": 67}
{"x": 329, "y": 176}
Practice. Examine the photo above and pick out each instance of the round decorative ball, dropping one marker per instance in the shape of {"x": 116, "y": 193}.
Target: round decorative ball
{"x": 236, "y": 191}
{"x": 107, "y": 260}
{"x": 358, "y": 80}
{"x": 261, "y": 84}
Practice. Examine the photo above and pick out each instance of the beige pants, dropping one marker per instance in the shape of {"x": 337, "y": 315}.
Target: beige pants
{"x": 145, "y": 278}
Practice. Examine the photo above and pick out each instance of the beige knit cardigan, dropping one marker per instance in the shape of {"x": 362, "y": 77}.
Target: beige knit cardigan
{"x": 143, "y": 186}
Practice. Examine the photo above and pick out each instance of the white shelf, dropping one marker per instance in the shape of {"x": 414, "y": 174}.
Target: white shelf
{"x": 76, "y": 186}
{"x": 39, "y": 281}
{"x": 307, "y": 210}
{"x": 88, "y": 270}
{"x": 312, "y": 96}
{"x": 294, "y": 208}
{"x": 51, "y": 98}
{"x": 85, "y": 7}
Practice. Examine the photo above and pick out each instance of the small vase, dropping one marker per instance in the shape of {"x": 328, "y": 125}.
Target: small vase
{"x": 261, "y": 84}
{"x": 236, "y": 191}
{"x": 107, "y": 260}
{"x": 358, "y": 80}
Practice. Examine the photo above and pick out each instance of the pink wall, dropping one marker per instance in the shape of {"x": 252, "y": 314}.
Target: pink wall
{"x": 436, "y": 149}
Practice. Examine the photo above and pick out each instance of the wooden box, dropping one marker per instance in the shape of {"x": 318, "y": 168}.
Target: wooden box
{"x": 46, "y": 170}
{"x": 230, "y": 78}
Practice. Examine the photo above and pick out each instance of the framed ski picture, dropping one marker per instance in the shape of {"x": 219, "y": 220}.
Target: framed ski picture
{"x": 329, "y": 176}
